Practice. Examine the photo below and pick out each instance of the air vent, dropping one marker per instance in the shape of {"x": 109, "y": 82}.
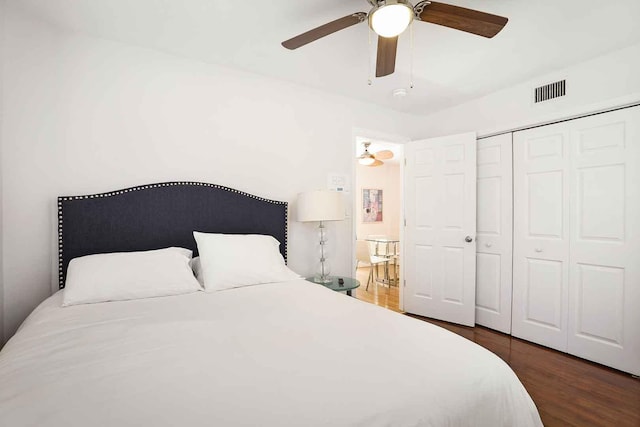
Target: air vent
{"x": 550, "y": 91}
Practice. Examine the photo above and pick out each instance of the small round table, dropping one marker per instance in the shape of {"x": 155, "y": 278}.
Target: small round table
{"x": 348, "y": 285}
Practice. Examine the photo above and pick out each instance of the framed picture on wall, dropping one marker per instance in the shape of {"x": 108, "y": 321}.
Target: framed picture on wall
{"x": 371, "y": 205}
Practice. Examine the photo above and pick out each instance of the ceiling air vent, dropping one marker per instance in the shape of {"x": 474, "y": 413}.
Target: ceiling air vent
{"x": 550, "y": 91}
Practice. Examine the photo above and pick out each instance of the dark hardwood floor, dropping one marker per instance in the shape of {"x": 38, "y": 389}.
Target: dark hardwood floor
{"x": 567, "y": 390}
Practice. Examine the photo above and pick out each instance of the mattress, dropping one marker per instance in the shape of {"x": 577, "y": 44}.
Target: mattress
{"x": 281, "y": 354}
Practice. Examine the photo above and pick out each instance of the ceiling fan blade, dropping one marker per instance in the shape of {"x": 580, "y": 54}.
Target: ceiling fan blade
{"x": 463, "y": 19}
{"x": 386, "y": 62}
{"x": 384, "y": 155}
{"x": 325, "y": 30}
{"x": 376, "y": 163}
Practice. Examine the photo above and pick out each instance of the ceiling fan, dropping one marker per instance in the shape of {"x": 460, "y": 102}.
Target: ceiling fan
{"x": 390, "y": 18}
{"x": 375, "y": 159}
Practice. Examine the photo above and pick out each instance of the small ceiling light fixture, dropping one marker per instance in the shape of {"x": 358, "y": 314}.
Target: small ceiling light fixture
{"x": 391, "y": 17}
{"x": 366, "y": 159}
{"x": 399, "y": 93}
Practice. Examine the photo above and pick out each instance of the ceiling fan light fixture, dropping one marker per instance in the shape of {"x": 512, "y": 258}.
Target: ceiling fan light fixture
{"x": 391, "y": 18}
{"x": 366, "y": 159}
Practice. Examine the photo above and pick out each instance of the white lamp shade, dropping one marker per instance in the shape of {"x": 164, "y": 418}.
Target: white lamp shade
{"x": 320, "y": 205}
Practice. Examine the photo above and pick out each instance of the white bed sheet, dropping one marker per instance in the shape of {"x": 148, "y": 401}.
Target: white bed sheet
{"x": 282, "y": 354}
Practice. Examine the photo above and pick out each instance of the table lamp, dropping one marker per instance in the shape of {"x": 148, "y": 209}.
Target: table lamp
{"x": 320, "y": 206}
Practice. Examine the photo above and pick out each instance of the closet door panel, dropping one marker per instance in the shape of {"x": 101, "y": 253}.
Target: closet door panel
{"x": 541, "y": 235}
{"x": 494, "y": 233}
{"x": 604, "y": 325}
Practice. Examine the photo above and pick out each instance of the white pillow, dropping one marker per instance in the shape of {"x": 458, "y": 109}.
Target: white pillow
{"x": 235, "y": 260}
{"x": 129, "y": 275}
{"x": 196, "y": 266}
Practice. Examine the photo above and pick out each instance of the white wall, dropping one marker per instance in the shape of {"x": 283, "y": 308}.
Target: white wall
{"x": 600, "y": 83}
{"x": 84, "y": 115}
{"x": 387, "y": 178}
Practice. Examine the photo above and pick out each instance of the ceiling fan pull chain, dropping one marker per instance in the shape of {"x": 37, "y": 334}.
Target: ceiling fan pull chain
{"x": 369, "y": 78}
{"x": 411, "y": 55}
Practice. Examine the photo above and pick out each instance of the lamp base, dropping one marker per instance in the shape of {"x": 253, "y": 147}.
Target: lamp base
{"x": 323, "y": 271}
{"x": 322, "y": 279}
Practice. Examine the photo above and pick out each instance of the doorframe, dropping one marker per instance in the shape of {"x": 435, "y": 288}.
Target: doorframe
{"x": 392, "y": 139}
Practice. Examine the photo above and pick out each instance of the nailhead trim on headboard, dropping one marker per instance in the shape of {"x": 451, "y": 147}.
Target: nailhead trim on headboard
{"x": 146, "y": 187}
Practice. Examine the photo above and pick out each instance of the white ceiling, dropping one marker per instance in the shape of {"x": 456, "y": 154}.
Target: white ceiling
{"x": 450, "y": 67}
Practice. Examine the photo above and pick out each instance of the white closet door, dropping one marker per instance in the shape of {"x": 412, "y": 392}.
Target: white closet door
{"x": 440, "y": 209}
{"x": 541, "y": 235}
{"x": 494, "y": 254}
{"x": 577, "y": 237}
{"x": 604, "y": 302}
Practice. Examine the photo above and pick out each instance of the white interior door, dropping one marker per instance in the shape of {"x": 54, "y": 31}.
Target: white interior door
{"x": 604, "y": 275}
{"x": 541, "y": 235}
{"x": 494, "y": 250}
{"x": 440, "y": 211}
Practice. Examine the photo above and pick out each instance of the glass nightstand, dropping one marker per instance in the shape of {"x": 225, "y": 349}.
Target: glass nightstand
{"x": 348, "y": 285}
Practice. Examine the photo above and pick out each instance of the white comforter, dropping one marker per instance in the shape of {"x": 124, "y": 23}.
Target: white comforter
{"x": 283, "y": 354}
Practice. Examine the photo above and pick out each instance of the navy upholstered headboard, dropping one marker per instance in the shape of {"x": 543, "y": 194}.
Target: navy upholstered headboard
{"x": 161, "y": 215}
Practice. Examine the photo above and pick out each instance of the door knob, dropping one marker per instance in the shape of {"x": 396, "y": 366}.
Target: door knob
{"x": 468, "y": 239}
{"x": 488, "y": 245}
{"x": 538, "y": 250}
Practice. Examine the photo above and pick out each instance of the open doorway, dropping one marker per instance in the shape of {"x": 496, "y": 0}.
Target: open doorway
{"x": 377, "y": 221}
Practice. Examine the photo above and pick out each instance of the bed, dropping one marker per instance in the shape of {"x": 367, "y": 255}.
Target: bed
{"x": 279, "y": 354}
